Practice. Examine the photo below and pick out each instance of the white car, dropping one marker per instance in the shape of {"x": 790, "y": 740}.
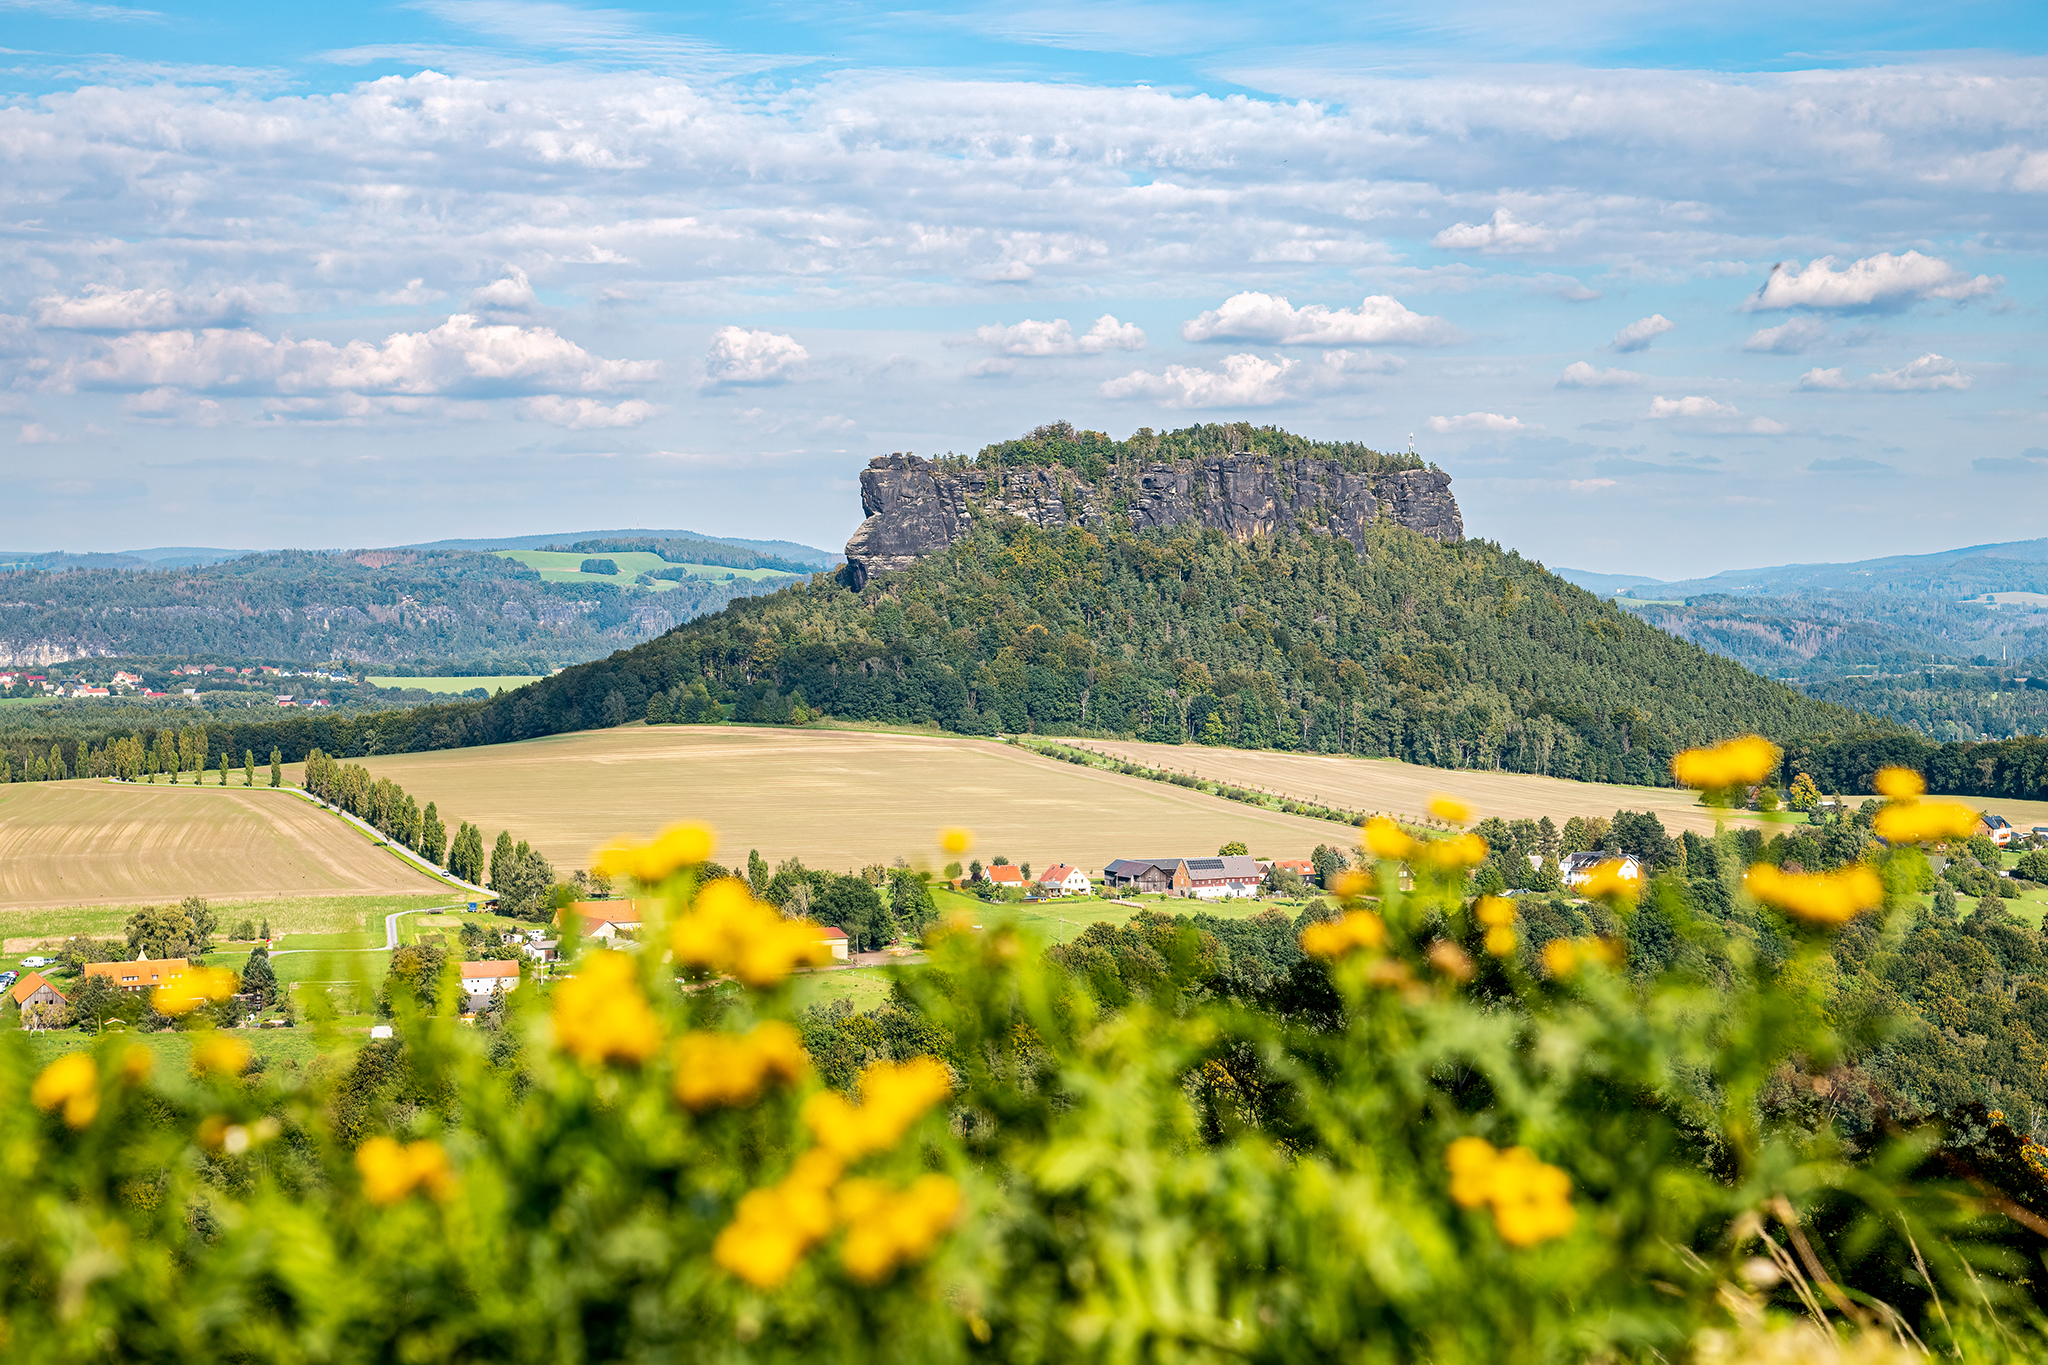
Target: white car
{"x": 37, "y": 961}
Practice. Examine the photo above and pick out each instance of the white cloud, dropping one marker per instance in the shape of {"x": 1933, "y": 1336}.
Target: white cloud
{"x": 1580, "y": 375}
{"x": 1477, "y": 421}
{"x": 103, "y": 309}
{"x": 1033, "y": 338}
{"x": 1787, "y": 338}
{"x": 1248, "y": 381}
{"x": 583, "y": 414}
{"x": 415, "y": 292}
{"x": 514, "y": 292}
{"x": 1820, "y": 380}
{"x": 1710, "y": 415}
{"x": 741, "y": 355}
{"x": 1879, "y": 281}
{"x": 1930, "y": 372}
{"x": 36, "y": 434}
{"x": 1499, "y": 235}
{"x": 1378, "y": 321}
{"x": 1589, "y": 485}
{"x": 1638, "y": 335}
{"x": 173, "y": 407}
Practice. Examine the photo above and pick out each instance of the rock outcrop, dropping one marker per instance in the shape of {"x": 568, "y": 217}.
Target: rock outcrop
{"x": 917, "y": 507}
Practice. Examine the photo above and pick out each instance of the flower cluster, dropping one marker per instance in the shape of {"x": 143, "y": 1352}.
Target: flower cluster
{"x": 188, "y": 990}
{"x": 1335, "y": 938}
{"x": 392, "y": 1170}
{"x": 1385, "y": 839}
{"x": 220, "y": 1055}
{"x": 728, "y": 931}
{"x": 72, "y": 1081}
{"x": 722, "y": 1068}
{"x": 600, "y": 1014}
{"x": 1819, "y": 897}
{"x": 1564, "y": 956}
{"x": 1612, "y": 880}
{"x": 676, "y": 847}
{"x": 1531, "y": 1200}
{"x": 1449, "y": 809}
{"x": 1497, "y": 913}
{"x": 773, "y": 1227}
{"x": 1740, "y": 762}
{"x": 1907, "y": 820}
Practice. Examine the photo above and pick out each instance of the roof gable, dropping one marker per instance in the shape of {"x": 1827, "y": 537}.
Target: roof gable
{"x": 473, "y": 970}
{"x": 32, "y": 983}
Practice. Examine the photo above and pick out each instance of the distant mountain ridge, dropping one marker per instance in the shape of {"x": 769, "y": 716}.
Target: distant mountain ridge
{"x": 779, "y": 549}
{"x": 1968, "y": 571}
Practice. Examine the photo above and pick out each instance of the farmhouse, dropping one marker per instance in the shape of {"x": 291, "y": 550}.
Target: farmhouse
{"x": 606, "y": 920}
{"x": 38, "y": 1000}
{"x": 1577, "y": 868}
{"x": 1211, "y": 879}
{"x": 479, "y": 979}
{"x": 1300, "y": 867}
{"x": 140, "y": 975}
{"x": 834, "y": 939}
{"x": 1063, "y": 880}
{"x": 1005, "y": 875}
{"x": 1153, "y": 875}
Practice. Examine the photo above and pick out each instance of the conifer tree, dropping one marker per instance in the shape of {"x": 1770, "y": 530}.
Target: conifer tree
{"x": 502, "y": 857}
{"x": 248, "y": 767}
{"x": 276, "y": 768}
{"x": 223, "y": 767}
{"x": 433, "y": 841}
{"x": 57, "y": 773}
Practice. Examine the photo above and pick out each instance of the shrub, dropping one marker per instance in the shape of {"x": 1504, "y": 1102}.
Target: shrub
{"x": 605, "y": 566}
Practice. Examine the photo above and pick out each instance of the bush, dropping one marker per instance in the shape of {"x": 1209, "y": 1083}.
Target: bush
{"x": 604, "y": 566}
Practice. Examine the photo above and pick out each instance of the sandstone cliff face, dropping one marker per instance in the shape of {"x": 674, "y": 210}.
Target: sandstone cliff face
{"x": 916, "y": 507}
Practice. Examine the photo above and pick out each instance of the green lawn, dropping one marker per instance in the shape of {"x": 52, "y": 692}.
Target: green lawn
{"x": 1062, "y": 919}
{"x": 276, "y": 1046}
{"x": 558, "y": 566}
{"x": 863, "y": 987}
{"x": 456, "y": 685}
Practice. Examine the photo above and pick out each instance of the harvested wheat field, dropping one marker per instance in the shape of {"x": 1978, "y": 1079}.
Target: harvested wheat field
{"x": 837, "y": 799}
{"x": 104, "y": 843}
{"x": 1395, "y": 788}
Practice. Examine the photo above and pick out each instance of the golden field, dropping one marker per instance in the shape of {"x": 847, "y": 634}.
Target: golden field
{"x": 88, "y": 842}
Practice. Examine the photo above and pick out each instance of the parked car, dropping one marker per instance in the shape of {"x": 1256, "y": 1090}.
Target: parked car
{"x": 8, "y": 979}
{"x": 37, "y": 961}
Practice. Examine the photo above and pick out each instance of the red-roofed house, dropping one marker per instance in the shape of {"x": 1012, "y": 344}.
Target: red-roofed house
{"x": 835, "y": 939}
{"x": 41, "y": 1003}
{"x": 1063, "y": 880}
{"x": 604, "y": 919}
{"x": 479, "y": 979}
{"x": 140, "y": 975}
{"x": 1005, "y": 875}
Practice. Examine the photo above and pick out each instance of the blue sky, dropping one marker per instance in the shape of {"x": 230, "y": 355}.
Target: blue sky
{"x": 1667, "y": 288}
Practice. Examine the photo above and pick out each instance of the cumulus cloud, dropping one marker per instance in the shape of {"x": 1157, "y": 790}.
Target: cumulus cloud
{"x": 1878, "y": 282}
{"x": 1033, "y": 338}
{"x": 1477, "y": 421}
{"x": 1380, "y": 320}
{"x": 1249, "y": 381}
{"x": 36, "y": 434}
{"x": 1928, "y": 373}
{"x": 741, "y": 355}
{"x": 1638, "y": 335}
{"x": 103, "y": 309}
{"x": 1787, "y": 338}
{"x": 1501, "y": 234}
{"x": 585, "y": 414}
{"x": 1822, "y": 380}
{"x": 1580, "y": 375}
{"x": 512, "y": 293}
{"x": 1710, "y": 415}
{"x": 174, "y": 407}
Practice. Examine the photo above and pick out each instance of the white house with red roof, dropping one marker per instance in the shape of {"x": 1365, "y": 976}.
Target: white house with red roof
{"x": 606, "y": 920}
{"x": 1064, "y": 879}
{"x": 1005, "y": 875}
{"x": 480, "y": 979}
{"x": 834, "y": 939}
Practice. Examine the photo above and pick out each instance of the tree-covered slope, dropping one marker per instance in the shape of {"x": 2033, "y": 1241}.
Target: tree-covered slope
{"x": 1455, "y": 655}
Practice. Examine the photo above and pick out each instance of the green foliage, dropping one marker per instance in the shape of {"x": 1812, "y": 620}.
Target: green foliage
{"x": 184, "y": 930}
{"x": 1094, "y": 454}
{"x": 259, "y": 978}
{"x": 604, "y": 566}
{"x": 851, "y": 904}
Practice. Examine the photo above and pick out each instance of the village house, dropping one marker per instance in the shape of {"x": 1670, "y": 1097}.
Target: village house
{"x": 480, "y": 979}
{"x": 1151, "y": 876}
{"x": 835, "y": 940}
{"x": 1061, "y": 879}
{"x": 1212, "y": 879}
{"x": 140, "y": 975}
{"x": 606, "y": 921}
{"x": 1005, "y": 875}
{"x": 41, "y": 1003}
{"x": 1577, "y": 868}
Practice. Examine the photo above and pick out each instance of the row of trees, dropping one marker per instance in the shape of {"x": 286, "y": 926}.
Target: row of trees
{"x": 381, "y": 803}
{"x": 140, "y": 757}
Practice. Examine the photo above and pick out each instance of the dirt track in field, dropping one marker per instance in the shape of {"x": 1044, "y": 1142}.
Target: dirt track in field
{"x": 88, "y": 842}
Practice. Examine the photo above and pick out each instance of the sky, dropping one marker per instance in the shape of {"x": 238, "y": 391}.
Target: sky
{"x": 1666, "y": 288}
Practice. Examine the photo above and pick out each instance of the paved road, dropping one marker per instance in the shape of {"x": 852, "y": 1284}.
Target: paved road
{"x": 390, "y": 931}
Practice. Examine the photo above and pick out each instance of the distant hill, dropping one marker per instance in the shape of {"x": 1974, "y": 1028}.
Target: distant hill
{"x": 778, "y": 549}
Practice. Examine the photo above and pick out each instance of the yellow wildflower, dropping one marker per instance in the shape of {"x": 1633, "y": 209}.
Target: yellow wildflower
{"x": 221, "y": 1055}
{"x": 1448, "y": 958}
{"x": 1459, "y": 851}
{"x": 1449, "y": 809}
{"x": 1900, "y": 784}
{"x": 893, "y": 1096}
{"x": 886, "y": 1228}
{"x": 188, "y": 990}
{"x": 1822, "y": 897}
{"x": 1531, "y": 1199}
{"x": 1925, "y": 822}
{"x": 773, "y": 1227}
{"x": 72, "y": 1081}
{"x": 1500, "y": 941}
{"x": 392, "y": 1170}
{"x": 727, "y": 930}
{"x": 1563, "y": 956}
{"x": 1350, "y": 884}
{"x": 719, "y": 1068}
{"x": 1335, "y": 938}
{"x": 1387, "y": 840}
{"x": 600, "y": 1014}
{"x": 1741, "y": 762}
{"x": 678, "y": 846}
{"x": 1495, "y": 912}
{"x": 1610, "y": 881}
{"x": 956, "y": 840}
{"x": 136, "y": 1061}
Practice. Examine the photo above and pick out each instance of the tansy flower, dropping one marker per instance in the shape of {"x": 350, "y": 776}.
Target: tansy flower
{"x": 1500, "y": 941}
{"x": 1449, "y": 809}
{"x": 1563, "y": 956}
{"x": 1900, "y": 784}
{"x": 221, "y": 1055}
{"x": 1531, "y": 1200}
{"x": 1461, "y": 850}
{"x": 1495, "y": 912}
{"x": 188, "y": 990}
{"x": 391, "y": 1170}
{"x": 774, "y": 1227}
{"x": 727, "y": 930}
{"x": 1388, "y": 840}
{"x": 600, "y": 1014}
{"x": 72, "y": 1081}
{"x": 886, "y": 1228}
{"x": 1610, "y": 881}
{"x": 1741, "y": 762}
{"x": 1335, "y": 938}
{"x": 893, "y": 1096}
{"x": 1822, "y": 897}
{"x": 678, "y": 846}
{"x": 1349, "y": 884}
{"x": 136, "y": 1061}
{"x": 956, "y": 840}
{"x": 1924, "y": 822}
{"x": 720, "y": 1068}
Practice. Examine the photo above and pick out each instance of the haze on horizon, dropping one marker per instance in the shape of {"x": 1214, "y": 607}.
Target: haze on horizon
{"x": 1666, "y": 290}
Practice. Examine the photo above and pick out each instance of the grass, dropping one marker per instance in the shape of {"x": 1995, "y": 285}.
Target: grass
{"x": 293, "y": 917}
{"x": 559, "y": 567}
{"x": 454, "y": 686}
{"x": 864, "y": 988}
